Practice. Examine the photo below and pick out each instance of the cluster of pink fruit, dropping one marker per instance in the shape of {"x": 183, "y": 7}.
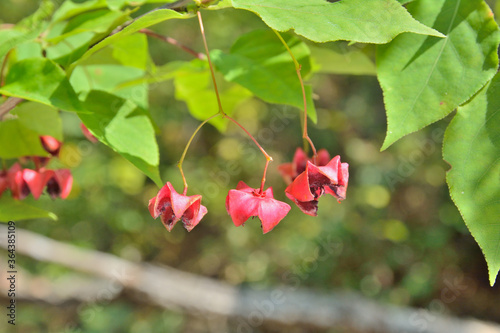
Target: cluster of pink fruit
{"x": 308, "y": 180}
{"x": 21, "y": 182}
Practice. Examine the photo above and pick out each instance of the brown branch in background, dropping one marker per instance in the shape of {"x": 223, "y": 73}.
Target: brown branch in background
{"x": 7, "y": 26}
{"x": 8, "y": 105}
{"x": 174, "y": 42}
{"x": 173, "y": 289}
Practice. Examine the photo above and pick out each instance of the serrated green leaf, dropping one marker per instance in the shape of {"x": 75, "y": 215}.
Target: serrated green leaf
{"x": 259, "y": 62}
{"x": 142, "y": 22}
{"x": 425, "y": 78}
{"x": 365, "y": 21}
{"x": 338, "y": 61}
{"x": 193, "y": 85}
{"x": 41, "y": 80}
{"x": 15, "y": 210}
{"x": 124, "y": 127}
{"x": 472, "y": 147}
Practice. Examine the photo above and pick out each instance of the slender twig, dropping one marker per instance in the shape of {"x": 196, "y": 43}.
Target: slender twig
{"x": 179, "y": 164}
{"x": 221, "y": 112}
{"x": 210, "y": 62}
{"x": 298, "y": 67}
{"x": 268, "y": 157}
{"x": 8, "y": 105}
{"x": 174, "y": 42}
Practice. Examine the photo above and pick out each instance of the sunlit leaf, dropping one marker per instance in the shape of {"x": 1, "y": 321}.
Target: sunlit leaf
{"x": 472, "y": 147}
{"x": 338, "y": 61}
{"x": 41, "y": 80}
{"x": 124, "y": 127}
{"x": 142, "y": 22}
{"x": 424, "y": 78}
{"x": 366, "y": 21}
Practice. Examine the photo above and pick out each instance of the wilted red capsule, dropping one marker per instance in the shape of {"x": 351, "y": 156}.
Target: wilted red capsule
{"x": 311, "y": 184}
{"x": 59, "y": 183}
{"x": 18, "y": 187}
{"x": 173, "y": 207}
{"x": 290, "y": 171}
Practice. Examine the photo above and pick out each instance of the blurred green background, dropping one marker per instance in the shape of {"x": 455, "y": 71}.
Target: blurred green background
{"x": 401, "y": 240}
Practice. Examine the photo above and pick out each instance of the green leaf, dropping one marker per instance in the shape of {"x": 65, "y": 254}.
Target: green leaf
{"x": 11, "y": 38}
{"x": 70, "y": 49}
{"x": 142, "y": 22}
{"x": 472, "y": 147}
{"x": 259, "y": 62}
{"x": 424, "y": 78}
{"x": 28, "y": 121}
{"x": 22, "y": 141}
{"x": 193, "y": 86}
{"x": 72, "y": 8}
{"x": 42, "y": 119}
{"x": 338, "y": 61}
{"x": 132, "y": 51}
{"x": 41, "y": 80}
{"x": 124, "y": 127}
{"x": 15, "y": 210}
{"x": 365, "y": 21}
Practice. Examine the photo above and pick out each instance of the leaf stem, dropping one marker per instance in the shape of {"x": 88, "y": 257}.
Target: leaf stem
{"x": 174, "y": 42}
{"x": 298, "y": 67}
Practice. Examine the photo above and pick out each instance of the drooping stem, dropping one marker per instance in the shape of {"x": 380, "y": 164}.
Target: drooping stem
{"x": 202, "y": 29}
{"x": 221, "y": 110}
{"x": 305, "y": 135}
{"x": 264, "y": 177}
{"x": 268, "y": 157}
{"x": 174, "y": 42}
{"x": 179, "y": 164}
